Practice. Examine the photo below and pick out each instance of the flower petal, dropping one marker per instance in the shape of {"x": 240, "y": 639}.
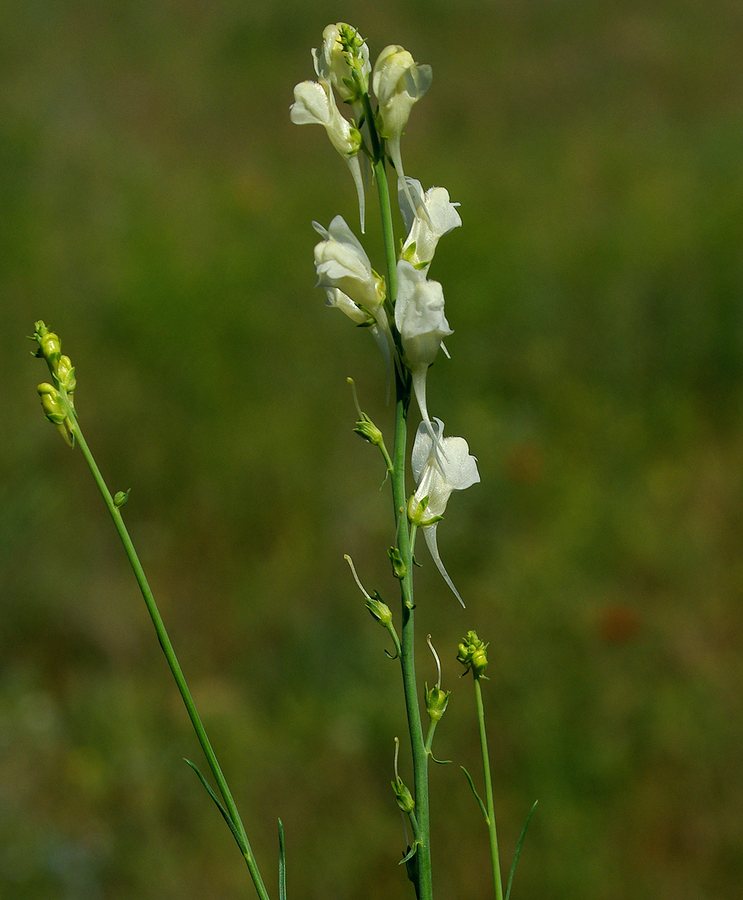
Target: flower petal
{"x": 460, "y": 469}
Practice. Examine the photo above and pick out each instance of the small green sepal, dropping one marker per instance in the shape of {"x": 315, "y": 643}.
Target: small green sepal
{"x": 417, "y": 512}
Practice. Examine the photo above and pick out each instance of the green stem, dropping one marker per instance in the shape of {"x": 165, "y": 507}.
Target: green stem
{"x": 424, "y": 888}
{"x": 172, "y": 660}
{"x": 492, "y": 832}
{"x": 429, "y": 736}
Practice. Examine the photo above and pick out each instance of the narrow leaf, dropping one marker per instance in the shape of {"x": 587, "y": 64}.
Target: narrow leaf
{"x": 217, "y": 802}
{"x": 474, "y": 791}
{"x": 441, "y": 762}
{"x": 519, "y": 845}
{"x": 282, "y": 863}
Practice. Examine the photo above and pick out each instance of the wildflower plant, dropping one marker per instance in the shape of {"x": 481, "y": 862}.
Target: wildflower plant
{"x": 405, "y": 313}
{"x": 364, "y": 110}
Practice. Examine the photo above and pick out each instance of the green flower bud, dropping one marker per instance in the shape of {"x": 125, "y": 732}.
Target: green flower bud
{"x": 120, "y": 498}
{"x": 51, "y": 403}
{"x": 472, "y": 653}
{"x": 379, "y": 609}
{"x": 50, "y": 346}
{"x": 367, "y": 430}
{"x": 399, "y": 568}
{"x": 66, "y": 374}
{"x": 437, "y": 700}
{"x": 402, "y": 795}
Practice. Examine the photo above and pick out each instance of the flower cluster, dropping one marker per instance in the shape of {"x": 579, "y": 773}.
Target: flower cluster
{"x": 405, "y": 314}
{"x": 57, "y": 400}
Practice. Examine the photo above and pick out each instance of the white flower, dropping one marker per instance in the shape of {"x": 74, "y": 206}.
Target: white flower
{"x": 398, "y": 83}
{"x": 428, "y": 218}
{"x": 352, "y": 286}
{"x": 314, "y": 104}
{"x": 342, "y": 263}
{"x": 334, "y": 64}
{"x": 421, "y": 321}
{"x": 436, "y": 480}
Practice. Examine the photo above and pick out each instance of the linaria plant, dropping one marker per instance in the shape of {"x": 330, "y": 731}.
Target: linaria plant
{"x": 405, "y": 314}
{"x": 404, "y": 311}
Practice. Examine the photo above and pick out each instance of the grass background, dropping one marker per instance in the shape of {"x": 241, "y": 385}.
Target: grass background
{"x": 155, "y": 205}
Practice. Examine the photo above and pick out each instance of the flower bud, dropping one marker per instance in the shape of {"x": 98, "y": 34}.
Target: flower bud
{"x": 437, "y": 699}
{"x": 402, "y": 795}
{"x": 379, "y": 610}
{"x": 472, "y": 653}
{"x": 120, "y": 498}
{"x": 66, "y": 374}
{"x": 343, "y": 60}
{"x": 399, "y": 568}
{"x": 367, "y": 430}
{"x": 51, "y": 403}
{"x": 50, "y": 345}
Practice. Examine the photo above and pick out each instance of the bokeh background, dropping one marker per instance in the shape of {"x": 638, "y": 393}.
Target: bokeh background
{"x": 155, "y": 208}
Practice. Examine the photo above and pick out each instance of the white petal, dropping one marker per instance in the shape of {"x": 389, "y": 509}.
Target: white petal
{"x": 311, "y": 105}
{"x": 414, "y": 190}
{"x": 345, "y": 304}
{"x": 422, "y": 447}
{"x": 393, "y": 148}
{"x": 460, "y": 468}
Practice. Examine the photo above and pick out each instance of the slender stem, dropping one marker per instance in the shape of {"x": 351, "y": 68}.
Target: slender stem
{"x": 388, "y": 233}
{"x": 172, "y": 660}
{"x": 424, "y": 888}
{"x": 492, "y": 832}
{"x": 429, "y": 736}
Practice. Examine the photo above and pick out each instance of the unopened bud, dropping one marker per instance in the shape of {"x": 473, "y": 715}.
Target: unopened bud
{"x": 120, "y": 498}
{"x": 50, "y": 345}
{"x": 367, "y": 430}
{"x": 51, "y": 403}
{"x": 399, "y": 568}
{"x": 66, "y": 374}
{"x": 472, "y": 653}
{"x": 379, "y": 609}
{"x": 402, "y": 795}
{"x": 437, "y": 700}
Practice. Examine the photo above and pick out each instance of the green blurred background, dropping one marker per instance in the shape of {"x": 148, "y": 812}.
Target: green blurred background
{"x": 155, "y": 208}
